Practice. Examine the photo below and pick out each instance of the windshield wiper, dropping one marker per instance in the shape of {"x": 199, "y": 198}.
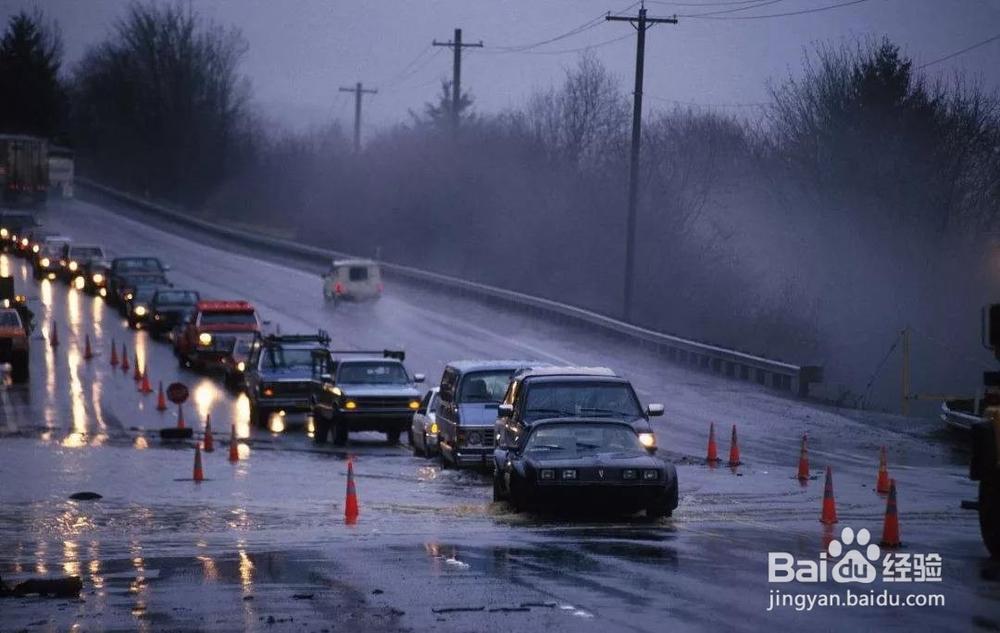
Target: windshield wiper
{"x": 598, "y": 410}
{"x": 588, "y": 445}
{"x": 548, "y": 447}
{"x": 553, "y": 411}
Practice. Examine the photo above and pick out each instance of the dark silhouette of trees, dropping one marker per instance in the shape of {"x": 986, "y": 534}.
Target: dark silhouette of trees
{"x": 31, "y": 97}
{"x": 160, "y": 105}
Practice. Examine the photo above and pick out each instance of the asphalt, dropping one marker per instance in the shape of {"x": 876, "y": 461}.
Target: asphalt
{"x": 262, "y": 544}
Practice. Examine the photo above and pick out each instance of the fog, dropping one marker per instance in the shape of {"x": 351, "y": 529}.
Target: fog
{"x": 857, "y": 197}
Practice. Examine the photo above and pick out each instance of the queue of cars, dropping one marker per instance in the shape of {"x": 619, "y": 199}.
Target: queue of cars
{"x": 544, "y": 432}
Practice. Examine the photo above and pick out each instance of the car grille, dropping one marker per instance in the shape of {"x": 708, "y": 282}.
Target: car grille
{"x": 290, "y": 388}
{"x": 486, "y": 435}
{"x": 377, "y": 402}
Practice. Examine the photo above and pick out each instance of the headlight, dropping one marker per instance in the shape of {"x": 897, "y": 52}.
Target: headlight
{"x": 6, "y": 303}
{"x": 205, "y": 338}
{"x": 24, "y": 241}
{"x": 650, "y": 475}
{"x": 414, "y": 404}
{"x": 434, "y": 427}
{"x": 648, "y": 440}
{"x": 128, "y": 297}
{"x": 350, "y": 404}
{"x": 103, "y": 292}
{"x": 79, "y": 283}
{"x": 628, "y": 473}
{"x": 73, "y": 265}
{"x": 475, "y": 437}
{"x": 546, "y": 473}
{"x": 569, "y": 473}
{"x": 45, "y": 261}
{"x": 98, "y": 278}
{"x": 4, "y": 232}
{"x": 140, "y": 311}
{"x": 35, "y": 248}
{"x": 241, "y": 366}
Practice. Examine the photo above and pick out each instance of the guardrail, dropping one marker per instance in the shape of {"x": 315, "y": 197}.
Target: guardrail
{"x": 732, "y": 363}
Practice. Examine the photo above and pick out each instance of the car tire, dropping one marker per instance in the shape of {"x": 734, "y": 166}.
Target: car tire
{"x": 498, "y": 492}
{"x": 19, "y": 371}
{"x": 664, "y": 505}
{"x": 392, "y": 437}
{"x": 339, "y": 432}
{"x": 321, "y": 427}
{"x": 516, "y": 496}
{"x": 132, "y": 324}
{"x": 989, "y": 511}
{"x": 445, "y": 464}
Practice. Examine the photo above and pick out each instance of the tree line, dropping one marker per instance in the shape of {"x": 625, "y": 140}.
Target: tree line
{"x": 856, "y": 201}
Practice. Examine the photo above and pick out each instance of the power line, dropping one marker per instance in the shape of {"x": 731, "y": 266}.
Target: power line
{"x": 961, "y": 52}
{"x": 416, "y": 70}
{"x": 409, "y": 65}
{"x": 581, "y": 48}
{"x": 760, "y": 3}
{"x": 580, "y": 29}
{"x": 775, "y": 15}
{"x": 702, "y": 4}
{"x": 761, "y": 104}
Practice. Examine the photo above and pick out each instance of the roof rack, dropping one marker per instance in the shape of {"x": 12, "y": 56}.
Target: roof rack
{"x": 399, "y": 355}
{"x": 320, "y": 337}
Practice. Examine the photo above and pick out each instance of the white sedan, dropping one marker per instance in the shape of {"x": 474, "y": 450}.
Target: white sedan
{"x": 423, "y": 430}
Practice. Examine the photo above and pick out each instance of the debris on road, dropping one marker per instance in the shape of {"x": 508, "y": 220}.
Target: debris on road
{"x": 85, "y": 496}
{"x": 69, "y": 587}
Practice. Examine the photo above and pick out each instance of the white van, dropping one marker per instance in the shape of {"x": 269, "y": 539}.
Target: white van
{"x": 355, "y": 279}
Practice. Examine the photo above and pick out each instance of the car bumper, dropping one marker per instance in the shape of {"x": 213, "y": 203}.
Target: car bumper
{"x": 287, "y": 404}
{"x": 599, "y": 495}
{"x": 381, "y": 421}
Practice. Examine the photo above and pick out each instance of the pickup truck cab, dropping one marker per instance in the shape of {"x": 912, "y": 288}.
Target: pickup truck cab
{"x": 210, "y": 332}
{"x": 277, "y": 374}
{"x": 126, "y": 272}
{"x": 367, "y": 391}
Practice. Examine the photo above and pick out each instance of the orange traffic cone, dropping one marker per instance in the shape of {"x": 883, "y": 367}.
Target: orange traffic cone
{"x": 114, "y": 353}
{"x": 137, "y": 374}
{"x": 54, "y": 337}
{"x": 209, "y": 442}
{"x": 161, "y": 400}
{"x": 713, "y": 453}
{"x": 124, "y": 359}
{"x": 829, "y": 516}
{"x": 804, "y": 461}
{"x": 890, "y": 528}
{"x": 351, "y": 506}
{"x": 198, "y": 474}
{"x": 883, "y": 473}
{"x": 145, "y": 387}
{"x": 234, "y": 451}
{"x": 180, "y": 416}
{"x": 734, "y": 450}
{"x": 87, "y": 352}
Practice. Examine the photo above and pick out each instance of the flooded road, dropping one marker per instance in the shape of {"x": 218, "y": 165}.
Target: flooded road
{"x": 262, "y": 544}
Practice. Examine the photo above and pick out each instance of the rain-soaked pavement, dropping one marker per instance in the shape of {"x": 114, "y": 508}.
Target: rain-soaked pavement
{"x": 262, "y": 545}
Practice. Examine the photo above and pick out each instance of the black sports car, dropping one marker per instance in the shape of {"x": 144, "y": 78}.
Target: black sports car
{"x": 588, "y": 464}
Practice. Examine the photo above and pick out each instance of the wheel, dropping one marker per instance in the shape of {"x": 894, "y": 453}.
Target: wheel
{"x": 498, "y": 492}
{"x": 259, "y": 416}
{"x": 663, "y": 506}
{"x": 132, "y": 324}
{"x": 445, "y": 464}
{"x": 393, "y": 436}
{"x": 19, "y": 370}
{"x": 321, "y": 427}
{"x": 516, "y": 495}
{"x": 417, "y": 452}
{"x": 989, "y": 512}
{"x": 340, "y": 432}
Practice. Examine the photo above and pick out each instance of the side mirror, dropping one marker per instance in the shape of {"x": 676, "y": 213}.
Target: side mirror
{"x": 654, "y": 410}
{"x": 505, "y": 410}
{"x": 419, "y": 377}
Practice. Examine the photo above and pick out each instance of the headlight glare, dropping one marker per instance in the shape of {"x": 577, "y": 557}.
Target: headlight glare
{"x": 45, "y": 262}
{"x": 648, "y": 440}
{"x": 351, "y": 405}
{"x": 98, "y": 278}
{"x": 205, "y": 338}
{"x": 241, "y": 366}
{"x": 73, "y": 265}
{"x": 414, "y": 404}
{"x": 140, "y": 311}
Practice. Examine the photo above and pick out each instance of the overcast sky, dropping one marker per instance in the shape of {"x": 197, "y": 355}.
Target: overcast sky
{"x": 302, "y": 51}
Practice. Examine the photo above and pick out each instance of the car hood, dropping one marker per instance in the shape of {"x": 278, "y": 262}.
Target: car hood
{"x": 477, "y": 413}
{"x": 290, "y": 374}
{"x": 226, "y": 327}
{"x": 380, "y": 390}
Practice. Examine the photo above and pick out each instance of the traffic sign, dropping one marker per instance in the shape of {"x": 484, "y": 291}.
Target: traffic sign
{"x": 177, "y": 393}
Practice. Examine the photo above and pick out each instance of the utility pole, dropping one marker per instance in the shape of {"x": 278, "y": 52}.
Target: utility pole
{"x": 358, "y": 91}
{"x": 456, "y": 73}
{"x": 906, "y": 370}
{"x": 641, "y": 23}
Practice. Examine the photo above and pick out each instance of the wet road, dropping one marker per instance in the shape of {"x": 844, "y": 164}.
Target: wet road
{"x": 160, "y": 552}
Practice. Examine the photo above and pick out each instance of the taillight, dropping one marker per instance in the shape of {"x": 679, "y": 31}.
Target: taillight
{"x": 338, "y": 288}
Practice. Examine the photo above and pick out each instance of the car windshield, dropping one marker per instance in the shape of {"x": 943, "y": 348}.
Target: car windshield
{"x": 177, "y": 297}
{"x": 372, "y": 372}
{"x": 568, "y": 440}
{"x": 85, "y": 252}
{"x": 144, "y": 293}
{"x": 286, "y": 357}
{"x": 140, "y": 265}
{"x": 226, "y": 317}
{"x": 582, "y": 399}
{"x": 8, "y": 318}
{"x": 484, "y": 386}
